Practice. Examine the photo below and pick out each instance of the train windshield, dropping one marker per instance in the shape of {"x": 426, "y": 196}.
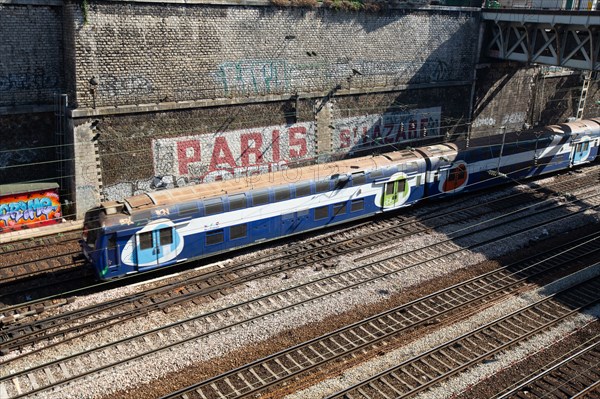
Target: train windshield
{"x": 91, "y": 226}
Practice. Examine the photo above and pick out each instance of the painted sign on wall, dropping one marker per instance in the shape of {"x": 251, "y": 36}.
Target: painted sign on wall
{"x": 239, "y": 153}
{"x": 29, "y": 210}
{"x": 367, "y": 131}
{"x": 221, "y": 156}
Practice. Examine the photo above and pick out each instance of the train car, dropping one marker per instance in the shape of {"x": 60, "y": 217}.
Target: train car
{"x": 516, "y": 156}
{"x": 165, "y": 227}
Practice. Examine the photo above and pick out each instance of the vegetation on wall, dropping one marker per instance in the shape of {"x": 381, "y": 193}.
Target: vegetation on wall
{"x": 347, "y": 5}
{"x": 85, "y": 7}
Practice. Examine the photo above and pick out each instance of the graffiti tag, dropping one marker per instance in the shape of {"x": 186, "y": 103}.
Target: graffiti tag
{"x": 27, "y": 209}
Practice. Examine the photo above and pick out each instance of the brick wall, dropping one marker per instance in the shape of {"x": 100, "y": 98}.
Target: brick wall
{"x": 141, "y": 53}
{"x": 30, "y": 53}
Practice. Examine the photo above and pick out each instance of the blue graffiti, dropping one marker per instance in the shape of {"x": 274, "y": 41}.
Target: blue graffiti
{"x": 28, "y": 81}
{"x": 30, "y": 210}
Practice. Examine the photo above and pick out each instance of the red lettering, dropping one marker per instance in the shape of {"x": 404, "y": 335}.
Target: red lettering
{"x": 188, "y": 151}
{"x": 275, "y": 145}
{"x": 345, "y": 138}
{"x": 256, "y": 140}
{"x": 221, "y": 155}
{"x": 389, "y": 132}
{"x": 297, "y": 135}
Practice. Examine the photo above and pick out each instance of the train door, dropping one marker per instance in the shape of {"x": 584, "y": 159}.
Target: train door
{"x": 112, "y": 252}
{"x": 154, "y": 245}
{"x": 580, "y": 152}
{"x": 394, "y": 192}
{"x": 294, "y": 222}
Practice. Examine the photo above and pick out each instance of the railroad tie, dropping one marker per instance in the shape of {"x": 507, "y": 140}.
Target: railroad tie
{"x": 64, "y": 370}
{"x": 3, "y": 392}
{"x": 50, "y": 376}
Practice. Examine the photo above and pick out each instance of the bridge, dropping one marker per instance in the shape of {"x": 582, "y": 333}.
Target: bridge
{"x": 564, "y": 33}
{"x": 567, "y": 37}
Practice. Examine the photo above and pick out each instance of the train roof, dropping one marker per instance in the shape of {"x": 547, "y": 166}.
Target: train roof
{"x": 579, "y": 126}
{"x": 280, "y": 178}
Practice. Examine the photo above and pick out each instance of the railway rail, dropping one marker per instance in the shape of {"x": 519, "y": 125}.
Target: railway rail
{"x": 17, "y": 263}
{"x": 24, "y": 334}
{"x": 428, "y": 369}
{"x": 414, "y": 375}
{"x": 42, "y": 377}
{"x": 575, "y": 377}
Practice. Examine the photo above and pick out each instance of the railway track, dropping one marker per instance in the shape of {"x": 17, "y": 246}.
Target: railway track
{"x": 18, "y": 262}
{"x": 414, "y": 375}
{"x": 107, "y": 314}
{"x": 438, "y": 364}
{"x": 575, "y": 377}
{"x": 42, "y": 377}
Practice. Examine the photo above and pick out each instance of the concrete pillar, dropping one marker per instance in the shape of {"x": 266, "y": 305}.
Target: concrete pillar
{"x": 86, "y": 177}
{"x": 324, "y": 133}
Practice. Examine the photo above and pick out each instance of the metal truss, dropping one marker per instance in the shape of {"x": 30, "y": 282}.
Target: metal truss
{"x": 546, "y": 42}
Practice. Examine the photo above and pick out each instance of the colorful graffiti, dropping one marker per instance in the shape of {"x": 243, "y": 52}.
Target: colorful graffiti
{"x": 29, "y": 210}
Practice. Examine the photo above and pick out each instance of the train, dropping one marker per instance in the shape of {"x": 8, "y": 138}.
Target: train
{"x": 163, "y": 228}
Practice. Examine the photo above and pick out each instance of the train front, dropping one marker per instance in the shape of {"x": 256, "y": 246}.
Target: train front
{"x": 92, "y": 237}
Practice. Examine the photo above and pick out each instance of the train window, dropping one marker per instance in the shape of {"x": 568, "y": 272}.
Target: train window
{"x": 188, "y": 208}
{"x": 112, "y": 241}
{"x": 166, "y": 236}
{"x": 302, "y": 189}
{"x": 321, "y": 212}
{"x": 237, "y": 201}
{"x": 239, "y": 231}
{"x": 375, "y": 174}
{"x": 339, "y": 209}
{"x": 212, "y": 207}
{"x": 146, "y": 241}
{"x": 214, "y": 237}
{"x": 260, "y": 198}
{"x": 389, "y": 188}
{"x": 282, "y": 194}
{"x": 322, "y": 186}
{"x": 358, "y": 179}
{"x": 357, "y": 205}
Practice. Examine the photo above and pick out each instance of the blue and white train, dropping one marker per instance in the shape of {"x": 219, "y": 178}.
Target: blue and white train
{"x": 162, "y": 228}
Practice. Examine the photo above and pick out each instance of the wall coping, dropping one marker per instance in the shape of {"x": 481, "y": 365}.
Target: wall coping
{"x": 180, "y": 105}
{"x": 410, "y": 4}
{"x": 55, "y": 3}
